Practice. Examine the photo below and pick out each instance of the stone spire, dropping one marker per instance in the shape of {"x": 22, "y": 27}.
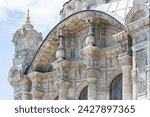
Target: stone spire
{"x": 27, "y": 24}
{"x": 28, "y": 17}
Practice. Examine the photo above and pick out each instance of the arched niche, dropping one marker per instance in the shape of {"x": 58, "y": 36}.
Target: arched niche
{"x": 80, "y": 88}
{"x": 84, "y": 94}
{"x": 116, "y": 88}
{"x": 137, "y": 12}
{"x": 138, "y": 15}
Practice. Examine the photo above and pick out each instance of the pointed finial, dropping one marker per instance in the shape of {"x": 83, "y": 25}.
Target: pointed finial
{"x": 28, "y": 15}
{"x": 27, "y": 24}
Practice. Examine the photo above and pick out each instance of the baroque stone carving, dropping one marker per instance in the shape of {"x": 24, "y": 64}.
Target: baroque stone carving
{"x": 141, "y": 75}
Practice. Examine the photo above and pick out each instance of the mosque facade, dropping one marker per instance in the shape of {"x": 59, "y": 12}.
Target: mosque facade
{"x": 100, "y": 50}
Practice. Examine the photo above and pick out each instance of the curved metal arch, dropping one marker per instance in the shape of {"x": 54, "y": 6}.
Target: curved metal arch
{"x": 63, "y": 21}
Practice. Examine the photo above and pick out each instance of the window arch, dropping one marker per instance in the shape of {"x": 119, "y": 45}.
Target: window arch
{"x": 138, "y": 15}
{"x": 84, "y": 94}
{"x": 116, "y": 88}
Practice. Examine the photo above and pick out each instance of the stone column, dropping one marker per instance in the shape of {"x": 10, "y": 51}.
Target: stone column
{"x": 25, "y": 88}
{"x": 63, "y": 88}
{"x": 61, "y": 65}
{"x": 148, "y": 66}
{"x": 126, "y": 78}
{"x": 36, "y": 90}
{"x": 134, "y": 75}
{"x": 125, "y": 42}
{"x": 92, "y": 88}
{"x": 91, "y": 56}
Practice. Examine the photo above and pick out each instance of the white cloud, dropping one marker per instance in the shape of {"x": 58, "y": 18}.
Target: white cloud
{"x": 43, "y": 12}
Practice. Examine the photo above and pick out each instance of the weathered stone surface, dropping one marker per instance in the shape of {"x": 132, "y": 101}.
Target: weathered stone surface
{"x": 91, "y": 54}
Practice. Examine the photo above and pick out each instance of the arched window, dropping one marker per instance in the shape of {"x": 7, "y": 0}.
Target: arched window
{"x": 116, "y": 88}
{"x": 84, "y": 94}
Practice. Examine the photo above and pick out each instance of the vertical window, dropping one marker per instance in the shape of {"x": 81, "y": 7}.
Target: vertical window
{"x": 84, "y": 94}
{"x": 116, "y": 88}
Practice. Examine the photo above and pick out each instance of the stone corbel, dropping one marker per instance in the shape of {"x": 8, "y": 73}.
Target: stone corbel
{"x": 125, "y": 60}
{"x": 61, "y": 67}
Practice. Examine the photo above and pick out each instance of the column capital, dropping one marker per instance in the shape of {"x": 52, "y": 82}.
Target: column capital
{"x": 34, "y": 76}
{"x": 126, "y": 60}
{"x": 91, "y": 52}
{"x": 61, "y": 67}
{"x": 125, "y": 41}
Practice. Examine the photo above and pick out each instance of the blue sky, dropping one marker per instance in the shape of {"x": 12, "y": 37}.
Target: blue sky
{"x": 44, "y": 16}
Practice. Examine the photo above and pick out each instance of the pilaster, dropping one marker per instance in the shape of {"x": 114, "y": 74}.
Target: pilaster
{"x": 25, "y": 85}
{"x": 125, "y": 42}
{"x": 91, "y": 55}
{"x": 36, "y": 90}
{"x": 61, "y": 65}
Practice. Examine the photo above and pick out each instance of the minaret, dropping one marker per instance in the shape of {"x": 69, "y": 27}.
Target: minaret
{"x": 26, "y": 41}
